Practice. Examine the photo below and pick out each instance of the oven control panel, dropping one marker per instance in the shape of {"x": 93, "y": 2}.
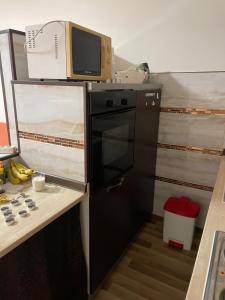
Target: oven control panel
{"x": 101, "y": 102}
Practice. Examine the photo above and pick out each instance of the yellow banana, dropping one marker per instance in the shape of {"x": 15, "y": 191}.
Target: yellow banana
{"x": 19, "y": 168}
{"x": 22, "y": 169}
{"x": 3, "y": 199}
{"x": 17, "y": 174}
{"x": 11, "y": 178}
{"x": 28, "y": 172}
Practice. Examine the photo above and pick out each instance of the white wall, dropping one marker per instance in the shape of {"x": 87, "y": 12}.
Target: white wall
{"x": 175, "y": 35}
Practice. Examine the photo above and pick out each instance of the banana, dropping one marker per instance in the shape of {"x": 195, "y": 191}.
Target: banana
{"x": 29, "y": 172}
{"x": 11, "y": 178}
{"x": 16, "y": 173}
{"x": 3, "y": 199}
{"x": 19, "y": 167}
{"x": 22, "y": 169}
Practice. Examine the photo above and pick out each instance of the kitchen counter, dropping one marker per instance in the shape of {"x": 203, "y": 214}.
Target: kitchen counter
{"x": 52, "y": 203}
{"x": 95, "y": 87}
{"x": 215, "y": 221}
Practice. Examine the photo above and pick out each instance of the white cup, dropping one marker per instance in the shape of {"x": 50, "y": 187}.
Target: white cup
{"x": 38, "y": 182}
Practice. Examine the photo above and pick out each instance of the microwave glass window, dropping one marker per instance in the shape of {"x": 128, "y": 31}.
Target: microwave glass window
{"x": 86, "y": 53}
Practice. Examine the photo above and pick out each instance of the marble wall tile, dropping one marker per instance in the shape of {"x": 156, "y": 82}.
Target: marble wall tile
{"x": 54, "y": 159}
{"x": 190, "y": 90}
{"x": 187, "y": 166}
{"x": 200, "y": 90}
{"x": 205, "y": 131}
{"x": 164, "y": 190}
{"x": 50, "y": 109}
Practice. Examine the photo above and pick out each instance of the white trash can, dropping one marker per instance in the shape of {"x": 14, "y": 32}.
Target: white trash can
{"x": 180, "y": 215}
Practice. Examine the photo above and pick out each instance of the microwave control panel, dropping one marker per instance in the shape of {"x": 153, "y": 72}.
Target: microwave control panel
{"x": 46, "y": 50}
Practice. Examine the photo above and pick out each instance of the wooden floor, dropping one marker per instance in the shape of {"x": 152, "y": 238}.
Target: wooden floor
{"x": 150, "y": 269}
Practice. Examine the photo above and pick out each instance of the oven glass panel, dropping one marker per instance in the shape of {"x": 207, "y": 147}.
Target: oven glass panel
{"x": 115, "y": 144}
{"x": 112, "y": 146}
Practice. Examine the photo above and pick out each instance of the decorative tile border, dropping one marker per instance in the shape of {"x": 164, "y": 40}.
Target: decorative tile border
{"x": 193, "y": 111}
{"x": 192, "y": 149}
{"x": 51, "y": 140}
{"x": 183, "y": 183}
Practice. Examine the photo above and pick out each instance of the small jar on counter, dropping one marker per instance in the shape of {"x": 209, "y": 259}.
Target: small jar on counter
{"x": 38, "y": 182}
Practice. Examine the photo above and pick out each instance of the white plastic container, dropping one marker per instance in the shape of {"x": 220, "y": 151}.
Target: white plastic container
{"x": 38, "y": 182}
{"x": 178, "y": 229}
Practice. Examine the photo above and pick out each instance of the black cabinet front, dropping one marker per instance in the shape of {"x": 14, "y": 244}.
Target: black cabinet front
{"x": 113, "y": 223}
{"x": 48, "y": 266}
{"x": 111, "y": 162}
{"x": 146, "y": 137}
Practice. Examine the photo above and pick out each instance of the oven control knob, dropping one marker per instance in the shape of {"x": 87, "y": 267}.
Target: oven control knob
{"x": 123, "y": 101}
{"x": 109, "y": 103}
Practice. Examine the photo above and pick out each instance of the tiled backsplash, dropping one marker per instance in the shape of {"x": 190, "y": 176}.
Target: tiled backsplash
{"x": 204, "y": 131}
{"x": 51, "y": 140}
{"x": 191, "y": 137}
{"x": 55, "y": 160}
{"x": 51, "y": 122}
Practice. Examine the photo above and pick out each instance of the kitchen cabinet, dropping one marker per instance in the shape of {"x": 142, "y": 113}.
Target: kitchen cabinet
{"x": 48, "y": 266}
{"x": 112, "y": 227}
{"x": 112, "y": 134}
{"x": 124, "y": 133}
{"x": 146, "y": 137}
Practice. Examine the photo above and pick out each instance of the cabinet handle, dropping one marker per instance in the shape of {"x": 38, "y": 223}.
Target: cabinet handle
{"x": 146, "y": 103}
{"x": 119, "y": 184}
{"x": 157, "y": 95}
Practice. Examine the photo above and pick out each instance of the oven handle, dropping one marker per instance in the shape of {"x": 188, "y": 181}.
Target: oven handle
{"x": 119, "y": 184}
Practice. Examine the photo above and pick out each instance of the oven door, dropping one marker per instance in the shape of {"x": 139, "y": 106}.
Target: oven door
{"x": 112, "y": 148}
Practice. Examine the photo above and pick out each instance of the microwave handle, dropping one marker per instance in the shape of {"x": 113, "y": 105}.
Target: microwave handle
{"x": 119, "y": 184}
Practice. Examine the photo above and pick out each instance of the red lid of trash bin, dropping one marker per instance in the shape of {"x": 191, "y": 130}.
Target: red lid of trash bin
{"x": 182, "y": 206}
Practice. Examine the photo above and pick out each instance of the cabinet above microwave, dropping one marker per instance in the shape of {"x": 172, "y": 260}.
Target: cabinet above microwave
{"x": 65, "y": 50}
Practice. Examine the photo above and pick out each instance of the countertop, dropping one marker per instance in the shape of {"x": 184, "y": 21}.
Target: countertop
{"x": 52, "y": 203}
{"x": 215, "y": 221}
{"x": 94, "y": 87}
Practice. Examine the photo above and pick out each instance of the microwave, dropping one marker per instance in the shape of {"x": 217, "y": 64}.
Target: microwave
{"x": 65, "y": 50}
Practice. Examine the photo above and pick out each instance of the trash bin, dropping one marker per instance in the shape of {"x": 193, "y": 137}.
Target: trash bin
{"x": 180, "y": 215}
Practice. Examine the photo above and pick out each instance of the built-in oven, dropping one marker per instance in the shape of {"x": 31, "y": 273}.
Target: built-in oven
{"x": 112, "y": 137}
{"x": 112, "y": 117}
